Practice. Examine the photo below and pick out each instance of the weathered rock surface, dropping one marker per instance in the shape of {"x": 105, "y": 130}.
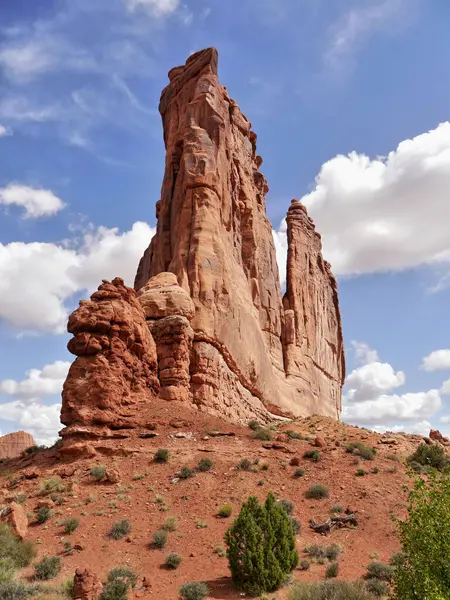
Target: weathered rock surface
{"x": 86, "y": 585}
{"x": 251, "y": 354}
{"x": 13, "y": 444}
{"x": 16, "y": 517}
{"x": 116, "y": 368}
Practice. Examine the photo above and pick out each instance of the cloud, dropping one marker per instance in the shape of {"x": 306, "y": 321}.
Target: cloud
{"x": 439, "y": 360}
{"x": 419, "y": 428}
{"x": 38, "y": 279}
{"x": 20, "y": 108}
{"x": 445, "y": 389}
{"x": 37, "y": 202}
{"x": 157, "y": 8}
{"x": 371, "y": 212}
{"x": 363, "y": 353}
{"x": 281, "y": 248}
{"x": 41, "y": 420}
{"x": 357, "y": 25}
{"x": 4, "y": 131}
{"x": 368, "y": 400}
{"x": 39, "y": 382}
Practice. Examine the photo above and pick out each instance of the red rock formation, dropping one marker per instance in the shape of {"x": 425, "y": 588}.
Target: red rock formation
{"x": 86, "y": 585}
{"x": 214, "y": 235}
{"x": 13, "y": 444}
{"x": 15, "y": 516}
{"x": 116, "y": 369}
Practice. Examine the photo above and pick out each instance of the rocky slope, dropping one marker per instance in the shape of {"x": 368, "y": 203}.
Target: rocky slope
{"x": 13, "y": 444}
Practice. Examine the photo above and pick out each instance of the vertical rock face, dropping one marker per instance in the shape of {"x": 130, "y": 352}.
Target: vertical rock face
{"x": 116, "y": 368}
{"x": 251, "y": 355}
{"x": 314, "y": 350}
{"x": 13, "y": 444}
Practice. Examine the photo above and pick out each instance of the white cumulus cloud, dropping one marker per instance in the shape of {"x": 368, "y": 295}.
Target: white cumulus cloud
{"x": 38, "y": 279}
{"x": 157, "y": 8}
{"x": 420, "y": 428}
{"x": 364, "y": 354}
{"x": 41, "y": 420}
{"x": 438, "y": 360}
{"x": 370, "y": 212}
{"x": 37, "y": 202}
{"x": 369, "y": 382}
{"x": 445, "y": 389}
{"x": 4, "y": 131}
{"x": 39, "y": 382}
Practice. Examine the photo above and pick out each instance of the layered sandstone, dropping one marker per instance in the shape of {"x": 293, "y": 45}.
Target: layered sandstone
{"x": 116, "y": 367}
{"x": 13, "y": 444}
{"x": 250, "y": 353}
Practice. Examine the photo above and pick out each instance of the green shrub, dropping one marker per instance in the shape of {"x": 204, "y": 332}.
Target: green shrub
{"x": 43, "y": 514}
{"x": 375, "y": 470}
{"x": 159, "y": 539}
{"x": 332, "y": 570}
{"x": 20, "y": 552}
{"x": 430, "y": 456}
{"x": 330, "y": 590}
{"x": 115, "y": 590}
{"x": 288, "y": 506}
{"x": 173, "y": 560}
{"x": 304, "y": 565}
{"x": 317, "y": 491}
{"x": 205, "y": 464}
{"x": 361, "y": 450}
{"x": 7, "y": 569}
{"x": 313, "y": 455}
{"x": 326, "y": 552}
{"x": 245, "y": 465}
{"x": 361, "y": 472}
{"x": 299, "y": 472}
{"x": 393, "y": 457}
{"x": 425, "y": 539}
{"x": 120, "y": 529}
{"x": 398, "y": 559}
{"x": 194, "y": 591}
{"x": 225, "y": 511}
{"x": 47, "y": 568}
{"x": 261, "y": 546}
{"x": 16, "y": 590}
{"x": 336, "y": 509}
{"x": 98, "y": 472}
{"x": 123, "y": 573}
{"x": 186, "y": 473}
{"x": 377, "y": 587}
{"x": 294, "y": 435}
{"x": 296, "y": 527}
{"x": 70, "y": 525}
{"x": 262, "y": 434}
{"x": 52, "y": 485}
{"x": 379, "y": 570}
{"x": 161, "y": 455}
{"x": 254, "y": 425}
{"x": 170, "y": 524}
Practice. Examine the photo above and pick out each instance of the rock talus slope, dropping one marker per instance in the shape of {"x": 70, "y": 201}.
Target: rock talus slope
{"x": 251, "y": 353}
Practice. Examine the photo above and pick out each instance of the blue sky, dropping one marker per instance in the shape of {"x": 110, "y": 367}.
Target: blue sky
{"x": 350, "y": 103}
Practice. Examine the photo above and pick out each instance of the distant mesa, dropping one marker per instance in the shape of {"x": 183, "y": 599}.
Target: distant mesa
{"x": 13, "y": 444}
{"x": 206, "y": 323}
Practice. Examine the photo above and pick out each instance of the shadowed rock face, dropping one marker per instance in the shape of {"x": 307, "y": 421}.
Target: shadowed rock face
{"x": 13, "y": 444}
{"x": 252, "y": 354}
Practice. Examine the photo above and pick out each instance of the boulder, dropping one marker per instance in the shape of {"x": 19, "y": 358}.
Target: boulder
{"x": 16, "y": 517}
{"x": 86, "y": 585}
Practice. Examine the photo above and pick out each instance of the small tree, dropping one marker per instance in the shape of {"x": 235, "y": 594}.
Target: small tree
{"x": 425, "y": 538}
{"x": 261, "y": 546}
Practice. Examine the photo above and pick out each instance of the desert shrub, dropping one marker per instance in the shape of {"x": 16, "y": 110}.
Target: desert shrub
{"x": 336, "y": 509}
{"x": 261, "y": 546}
{"x": 317, "y": 491}
{"x": 47, "y": 568}
{"x": 120, "y": 529}
{"x": 332, "y": 570}
{"x": 299, "y": 472}
{"x": 33, "y": 450}
{"x": 245, "y": 465}
{"x": 430, "y": 456}
{"x": 304, "y": 565}
{"x": 398, "y": 559}
{"x": 16, "y": 590}
{"x": 393, "y": 457}
{"x": 115, "y": 590}
{"x": 7, "y": 569}
{"x": 326, "y": 552}
{"x": 123, "y": 573}
{"x": 161, "y": 455}
{"x": 20, "y": 552}
{"x": 225, "y": 511}
{"x": 170, "y": 524}
{"x": 205, "y": 464}
{"x": 379, "y": 570}
{"x": 52, "y": 485}
{"x": 254, "y": 425}
{"x": 375, "y": 470}
{"x": 361, "y": 472}
{"x": 159, "y": 539}
{"x": 98, "y": 472}
{"x": 186, "y": 473}
{"x": 361, "y": 450}
{"x": 194, "y": 591}
{"x": 294, "y": 435}
{"x": 288, "y": 506}
{"x": 173, "y": 560}
{"x": 332, "y": 551}
{"x": 377, "y": 587}
{"x": 425, "y": 539}
{"x": 70, "y": 525}
{"x": 330, "y": 590}
{"x": 43, "y": 514}
{"x": 262, "y": 434}
{"x": 313, "y": 455}
{"x": 296, "y": 527}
